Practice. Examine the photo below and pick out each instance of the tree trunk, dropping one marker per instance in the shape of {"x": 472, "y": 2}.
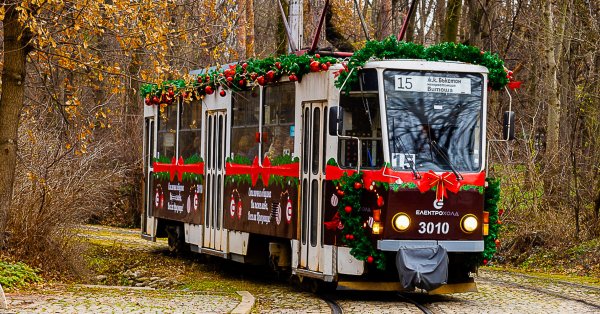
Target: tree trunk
{"x": 16, "y": 41}
{"x": 250, "y": 28}
{"x": 553, "y": 50}
{"x": 282, "y": 43}
{"x": 475, "y": 23}
{"x": 241, "y": 30}
{"x": 384, "y": 20}
{"x": 334, "y": 36}
{"x": 452, "y": 18}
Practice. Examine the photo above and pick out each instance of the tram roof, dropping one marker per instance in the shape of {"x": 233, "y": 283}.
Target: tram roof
{"x": 419, "y": 64}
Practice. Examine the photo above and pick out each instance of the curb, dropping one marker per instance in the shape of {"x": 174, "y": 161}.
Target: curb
{"x": 4, "y": 304}
{"x": 245, "y": 306}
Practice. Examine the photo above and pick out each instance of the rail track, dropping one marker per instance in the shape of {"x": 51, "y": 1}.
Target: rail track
{"x": 555, "y": 294}
{"x": 336, "y": 307}
{"x": 420, "y": 306}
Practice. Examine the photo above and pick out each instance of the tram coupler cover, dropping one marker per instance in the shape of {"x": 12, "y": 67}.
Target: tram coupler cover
{"x": 423, "y": 267}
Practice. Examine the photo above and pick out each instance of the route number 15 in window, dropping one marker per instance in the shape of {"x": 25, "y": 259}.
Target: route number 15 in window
{"x": 404, "y": 82}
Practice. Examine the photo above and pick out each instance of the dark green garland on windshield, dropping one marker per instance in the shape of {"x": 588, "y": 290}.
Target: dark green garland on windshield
{"x": 391, "y": 48}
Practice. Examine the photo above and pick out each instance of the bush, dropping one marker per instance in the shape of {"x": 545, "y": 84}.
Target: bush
{"x": 17, "y": 275}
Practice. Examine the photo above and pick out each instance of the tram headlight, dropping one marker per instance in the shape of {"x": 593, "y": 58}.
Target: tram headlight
{"x": 401, "y": 222}
{"x": 469, "y": 223}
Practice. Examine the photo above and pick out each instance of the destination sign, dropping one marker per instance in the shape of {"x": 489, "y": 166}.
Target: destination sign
{"x": 432, "y": 84}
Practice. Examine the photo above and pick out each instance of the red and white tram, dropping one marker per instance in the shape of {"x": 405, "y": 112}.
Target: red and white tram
{"x": 380, "y": 187}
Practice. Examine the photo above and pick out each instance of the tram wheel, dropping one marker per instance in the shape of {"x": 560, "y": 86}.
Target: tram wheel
{"x": 176, "y": 240}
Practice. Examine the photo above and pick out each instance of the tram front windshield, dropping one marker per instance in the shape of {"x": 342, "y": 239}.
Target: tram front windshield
{"x": 434, "y": 120}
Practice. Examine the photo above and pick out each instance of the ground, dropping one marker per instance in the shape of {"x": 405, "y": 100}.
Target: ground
{"x": 131, "y": 275}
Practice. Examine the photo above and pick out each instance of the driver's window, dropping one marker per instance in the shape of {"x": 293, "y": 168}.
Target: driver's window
{"x": 361, "y": 119}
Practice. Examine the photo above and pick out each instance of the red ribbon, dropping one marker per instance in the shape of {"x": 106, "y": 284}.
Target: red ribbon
{"x": 265, "y": 171}
{"x": 387, "y": 175}
{"x": 442, "y": 182}
{"x": 178, "y": 168}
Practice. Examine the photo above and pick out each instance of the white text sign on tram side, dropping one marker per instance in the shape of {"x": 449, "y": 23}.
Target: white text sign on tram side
{"x": 432, "y": 84}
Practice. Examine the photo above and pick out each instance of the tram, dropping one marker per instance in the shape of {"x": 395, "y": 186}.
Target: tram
{"x": 373, "y": 183}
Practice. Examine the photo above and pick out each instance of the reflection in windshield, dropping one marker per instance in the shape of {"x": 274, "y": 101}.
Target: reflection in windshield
{"x": 432, "y": 114}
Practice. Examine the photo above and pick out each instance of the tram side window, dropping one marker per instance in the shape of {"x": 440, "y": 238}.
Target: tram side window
{"x": 167, "y": 129}
{"x": 278, "y": 121}
{"x": 190, "y": 122}
{"x": 362, "y": 119}
{"x": 244, "y": 126}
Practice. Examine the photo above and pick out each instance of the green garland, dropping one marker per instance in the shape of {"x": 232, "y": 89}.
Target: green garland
{"x": 391, "y": 48}
{"x": 254, "y": 72}
{"x": 237, "y": 76}
{"x": 492, "y": 196}
{"x": 354, "y": 235}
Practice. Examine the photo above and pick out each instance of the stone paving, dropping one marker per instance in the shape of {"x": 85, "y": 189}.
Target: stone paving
{"x": 80, "y": 299}
{"x": 499, "y": 292}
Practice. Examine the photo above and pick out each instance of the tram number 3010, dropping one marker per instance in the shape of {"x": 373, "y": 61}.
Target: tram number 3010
{"x": 437, "y": 228}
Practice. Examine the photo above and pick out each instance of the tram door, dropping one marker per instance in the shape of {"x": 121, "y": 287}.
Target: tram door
{"x": 148, "y": 157}
{"x": 214, "y": 162}
{"x": 312, "y": 177}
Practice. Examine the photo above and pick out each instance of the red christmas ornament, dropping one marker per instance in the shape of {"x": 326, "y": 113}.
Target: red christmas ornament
{"x": 270, "y": 75}
{"x": 208, "y": 90}
{"x": 348, "y": 209}
{"x": 317, "y": 56}
{"x": 500, "y": 212}
{"x": 222, "y": 93}
{"x": 328, "y": 64}
{"x": 171, "y": 93}
{"x": 485, "y": 261}
{"x": 370, "y": 259}
{"x": 340, "y": 192}
{"x": 357, "y": 185}
{"x": 261, "y": 80}
{"x": 253, "y": 76}
{"x": 148, "y": 102}
{"x": 230, "y": 78}
{"x": 315, "y": 66}
{"x": 380, "y": 201}
{"x": 278, "y": 65}
{"x": 293, "y": 77}
{"x": 324, "y": 67}
{"x": 155, "y": 100}
{"x": 497, "y": 242}
{"x": 227, "y": 72}
{"x": 242, "y": 82}
{"x": 199, "y": 79}
{"x": 186, "y": 95}
{"x": 350, "y": 237}
{"x": 244, "y": 65}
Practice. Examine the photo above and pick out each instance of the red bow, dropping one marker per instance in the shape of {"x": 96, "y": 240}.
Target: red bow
{"x": 265, "y": 171}
{"x": 443, "y": 182}
{"x": 177, "y": 168}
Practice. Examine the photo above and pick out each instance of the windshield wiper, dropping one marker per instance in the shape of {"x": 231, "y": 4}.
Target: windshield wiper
{"x": 439, "y": 151}
{"x": 397, "y": 141}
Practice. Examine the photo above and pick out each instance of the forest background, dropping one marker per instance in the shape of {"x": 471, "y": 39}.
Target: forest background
{"x": 71, "y": 116}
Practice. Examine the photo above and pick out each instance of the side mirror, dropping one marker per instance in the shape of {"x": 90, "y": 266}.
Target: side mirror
{"x": 336, "y": 120}
{"x": 508, "y": 126}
